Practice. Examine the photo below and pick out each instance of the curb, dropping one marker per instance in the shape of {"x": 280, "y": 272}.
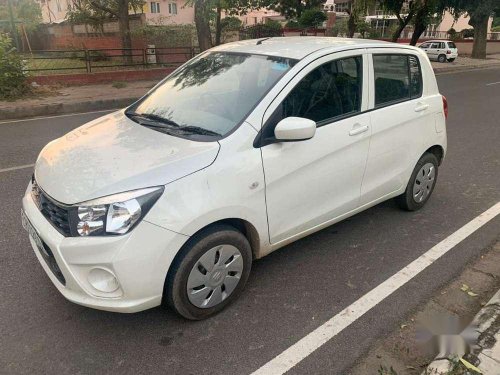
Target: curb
{"x": 464, "y": 68}
{"x": 485, "y": 354}
{"x": 60, "y": 108}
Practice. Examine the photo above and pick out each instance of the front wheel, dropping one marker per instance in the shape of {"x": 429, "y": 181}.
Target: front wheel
{"x": 421, "y": 184}
{"x": 210, "y": 272}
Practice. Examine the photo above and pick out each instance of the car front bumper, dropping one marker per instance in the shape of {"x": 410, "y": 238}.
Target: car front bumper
{"x": 139, "y": 261}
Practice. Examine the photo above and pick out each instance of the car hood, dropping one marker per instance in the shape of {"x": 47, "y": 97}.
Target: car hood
{"x": 113, "y": 154}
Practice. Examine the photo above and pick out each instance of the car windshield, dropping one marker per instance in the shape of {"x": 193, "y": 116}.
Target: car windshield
{"x": 209, "y": 96}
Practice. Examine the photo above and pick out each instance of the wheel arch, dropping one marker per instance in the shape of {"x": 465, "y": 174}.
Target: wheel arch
{"x": 438, "y": 152}
{"x": 243, "y": 226}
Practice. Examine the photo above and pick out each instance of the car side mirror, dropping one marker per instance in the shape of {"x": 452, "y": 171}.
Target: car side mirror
{"x": 294, "y": 129}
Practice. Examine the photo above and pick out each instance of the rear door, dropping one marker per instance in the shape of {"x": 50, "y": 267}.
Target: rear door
{"x": 398, "y": 116}
{"x": 311, "y": 182}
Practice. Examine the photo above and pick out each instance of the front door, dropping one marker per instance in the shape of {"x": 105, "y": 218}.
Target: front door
{"x": 312, "y": 182}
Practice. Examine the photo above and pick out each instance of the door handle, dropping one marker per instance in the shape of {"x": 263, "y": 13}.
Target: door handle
{"x": 358, "y": 129}
{"x": 421, "y": 107}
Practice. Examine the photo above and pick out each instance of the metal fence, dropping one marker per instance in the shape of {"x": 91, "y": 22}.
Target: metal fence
{"x": 94, "y": 60}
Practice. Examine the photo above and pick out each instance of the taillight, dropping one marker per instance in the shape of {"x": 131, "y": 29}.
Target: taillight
{"x": 445, "y": 107}
{"x": 448, "y": 52}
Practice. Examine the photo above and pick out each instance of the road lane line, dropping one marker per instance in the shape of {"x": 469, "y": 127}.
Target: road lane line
{"x": 56, "y": 116}
{"x": 492, "y": 83}
{"x": 16, "y": 168}
{"x": 321, "y": 335}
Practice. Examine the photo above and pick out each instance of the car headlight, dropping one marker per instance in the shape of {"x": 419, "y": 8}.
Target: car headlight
{"x": 114, "y": 214}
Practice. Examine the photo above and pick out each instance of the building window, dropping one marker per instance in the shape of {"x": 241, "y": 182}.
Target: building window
{"x": 172, "y": 8}
{"x": 155, "y": 7}
{"x": 58, "y": 3}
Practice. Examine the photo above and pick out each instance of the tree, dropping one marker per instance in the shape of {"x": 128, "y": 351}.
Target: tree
{"x": 312, "y": 18}
{"x": 292, "y": 8}
{"x": 428, "y": 11}
{"x": 479, "y": 13}
{"x": 395, "y": 7}
{"x": 96, "y": 12}
{"x": 12, "y": 76}
{"x": 357, "y": 13}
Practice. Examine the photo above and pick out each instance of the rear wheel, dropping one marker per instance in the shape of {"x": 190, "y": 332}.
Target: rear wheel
{"x": 451, "y": 60}
{"x": 210, "y": 272}
{"x": 421, "y": 184}
{"x": 442, "y": 58}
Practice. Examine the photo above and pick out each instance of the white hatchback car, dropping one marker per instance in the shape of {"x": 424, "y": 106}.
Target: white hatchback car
{"x": 242, "y": 150}
{"x": 440, "y": 50}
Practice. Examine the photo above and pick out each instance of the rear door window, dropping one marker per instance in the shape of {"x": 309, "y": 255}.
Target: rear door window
{"x": 397, "y": 78}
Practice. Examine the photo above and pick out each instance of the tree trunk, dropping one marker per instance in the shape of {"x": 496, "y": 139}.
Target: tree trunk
{"x": 299, "y": 8}
{"x": 480, "y": 24}
{"x": 124, "y": 27}
{"x": 202, "y": 19}
{"x": 398, "y": 31}
{"x": 218, "y": 26}
{"x": 420, "y": 25}
{"x": 351, "y": 25}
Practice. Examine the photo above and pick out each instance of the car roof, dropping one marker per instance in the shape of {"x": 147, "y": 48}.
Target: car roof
{"x": 298, "y": 47}
{"x": 437, "y": 40}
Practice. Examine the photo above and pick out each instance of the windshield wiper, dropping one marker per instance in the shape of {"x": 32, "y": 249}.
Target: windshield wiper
{"x": 168, "y": 126}
{"x": 157, "y": 120}
{"x": 198, "y": 130}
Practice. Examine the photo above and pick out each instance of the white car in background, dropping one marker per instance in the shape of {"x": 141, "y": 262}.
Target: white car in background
{"x": 242, "y": 150}
{"x": 440, "y": 50}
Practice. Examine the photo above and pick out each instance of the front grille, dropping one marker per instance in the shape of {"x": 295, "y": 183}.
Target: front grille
{"x": 54, "y": 212}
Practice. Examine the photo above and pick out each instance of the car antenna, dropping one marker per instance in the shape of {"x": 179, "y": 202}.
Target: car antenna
{"x": 261, "y": 40}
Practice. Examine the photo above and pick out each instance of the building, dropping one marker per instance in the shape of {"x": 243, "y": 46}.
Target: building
{"x": 157, "y": 12}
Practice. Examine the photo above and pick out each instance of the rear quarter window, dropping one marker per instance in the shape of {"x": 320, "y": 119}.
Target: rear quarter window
{"x": 452, "y": 45}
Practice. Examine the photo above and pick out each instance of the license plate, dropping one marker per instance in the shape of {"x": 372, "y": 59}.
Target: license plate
{"x": 32, "y": 233}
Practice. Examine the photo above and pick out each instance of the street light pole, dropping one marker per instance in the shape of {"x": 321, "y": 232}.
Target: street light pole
{"x": 13, "y": 25}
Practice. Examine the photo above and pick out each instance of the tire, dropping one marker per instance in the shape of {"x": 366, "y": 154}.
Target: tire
{"x": 411, "y": 201}
{"x": 451, "y": 60}
{"x": 442, "y": 58}
{"x": 190, "y": 300}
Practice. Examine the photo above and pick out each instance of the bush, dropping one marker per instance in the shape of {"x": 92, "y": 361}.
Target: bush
{"x": 292, "y": 24}
{"x": 261, "y": 30}
{"x": 13, "y": 82}
{"x": 339, "y": 28}
{"x": 230, "y": 23}
{"x": 312, "y": 18}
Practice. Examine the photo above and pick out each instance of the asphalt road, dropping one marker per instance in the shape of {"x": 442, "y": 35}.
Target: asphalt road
{"x": 290, "y": 292}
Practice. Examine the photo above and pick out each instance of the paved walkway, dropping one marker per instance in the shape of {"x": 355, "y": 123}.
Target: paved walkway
{"x": 74, "y": 99}
{"x": 465, "y": 63}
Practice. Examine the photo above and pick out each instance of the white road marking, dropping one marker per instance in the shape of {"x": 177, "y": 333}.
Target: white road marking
{"x": 492, "y": 83}
{"x": 16, "y": 168}
{"x": 308, "y": 344}
{"x": 56, "y": 116}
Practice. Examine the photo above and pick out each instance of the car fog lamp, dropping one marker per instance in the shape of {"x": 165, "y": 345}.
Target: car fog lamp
{"x": 103, "y": 280}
